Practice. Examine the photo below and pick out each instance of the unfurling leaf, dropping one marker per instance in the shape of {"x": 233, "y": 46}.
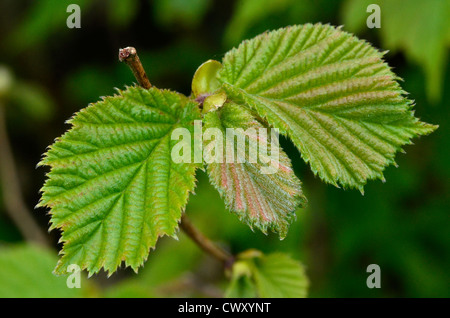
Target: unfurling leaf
{"x": 205, "y": 78}
{"x": 241, "y": 285}
{"x": 331, "y": 93}
{"x": 258, "y": 185}
{"x": 113, "y": 188}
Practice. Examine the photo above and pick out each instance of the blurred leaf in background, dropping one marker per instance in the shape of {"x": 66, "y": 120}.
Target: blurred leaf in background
{"x": 172, "y": 13}
{"x": 252, "y": 17}
{"x": 121, "y": 13}
{"x": 421, "y": 29}
{"x": 45, "y": 19}
{"x": 274, "y": 275}
{"x": 167, "y": 266}
{"x": 247, "y": 13}
{"x": 26, "y": 101}
{"x": 26, "y": 272}
{"x": 130, "y": 289}
{"x": 31, "y": 100}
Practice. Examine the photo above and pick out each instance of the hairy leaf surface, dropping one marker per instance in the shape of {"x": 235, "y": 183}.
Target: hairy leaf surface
{"x": 113, "y": 188}
{"x": 258, "y": 185}
{"x": 331, "y": 93}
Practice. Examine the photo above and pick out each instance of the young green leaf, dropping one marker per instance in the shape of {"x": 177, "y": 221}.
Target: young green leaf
{"x": 279, "y": 276}
{"x": 205, "y": 78}
{"x": 259, "y": 186}
{"x": 267, "y": 276}
{"x": 331, "y": 93}
{"x": 113, "y": 188}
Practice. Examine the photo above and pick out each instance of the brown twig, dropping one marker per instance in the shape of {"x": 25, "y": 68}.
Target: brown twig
{"x": 205, "y": 243}
{"x": 12, "y": 194}
{"x": 130, "y": 57}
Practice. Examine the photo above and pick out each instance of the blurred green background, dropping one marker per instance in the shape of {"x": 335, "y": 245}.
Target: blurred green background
{"x": 48, "y": 72}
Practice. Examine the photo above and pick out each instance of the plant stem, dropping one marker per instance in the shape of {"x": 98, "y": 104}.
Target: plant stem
{"x": 16, "y": 207}
{"x": 130, "y": 57}
{"x": 205, "y": 243}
